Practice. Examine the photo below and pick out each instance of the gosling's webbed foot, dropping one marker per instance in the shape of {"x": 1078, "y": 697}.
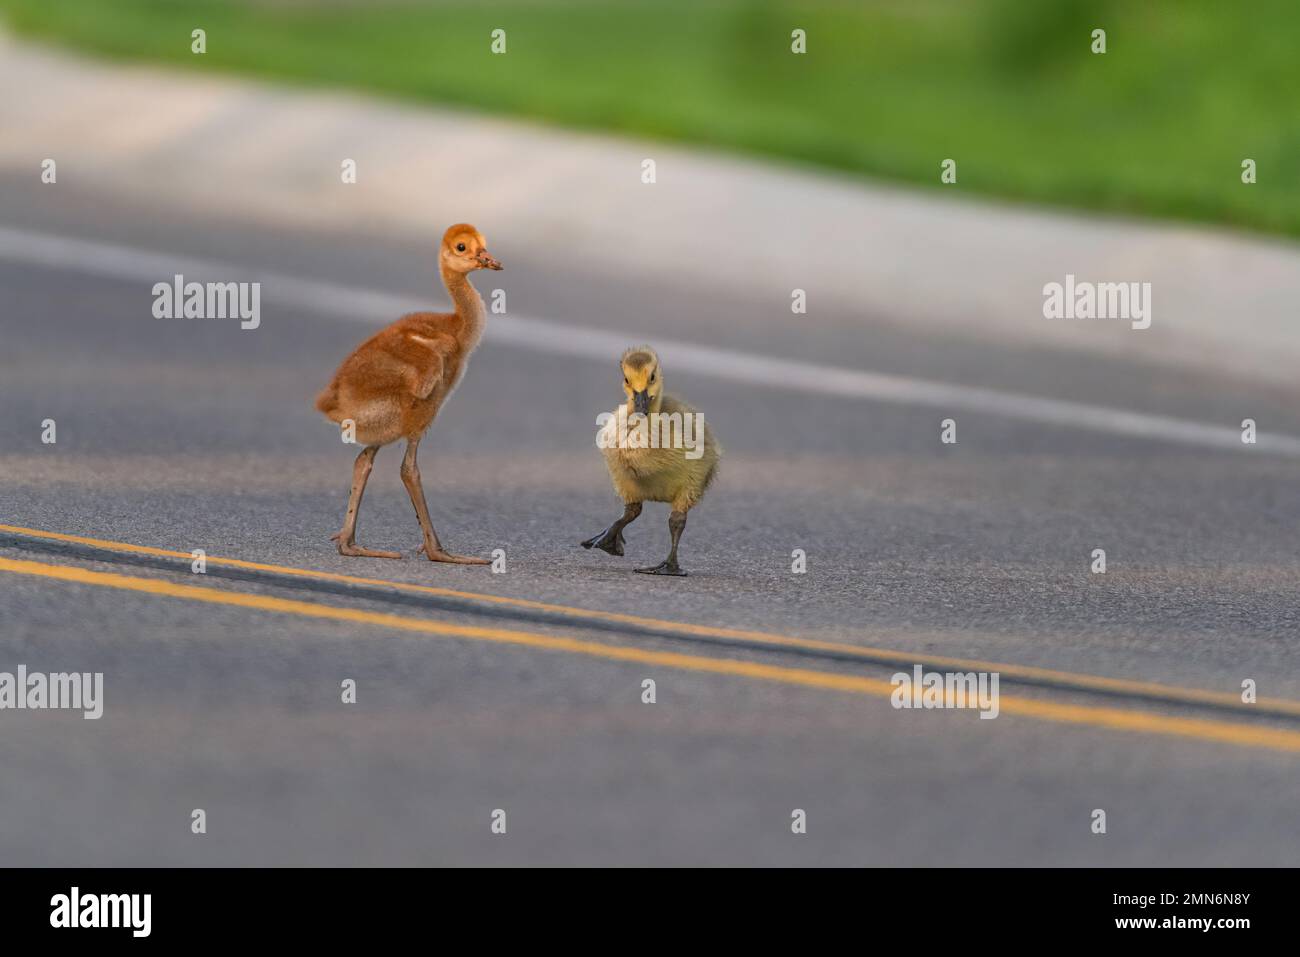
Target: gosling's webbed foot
{"x": 438, "y": 555}
{"x": 606, "y": 542}
{"x": 664, "y": 568}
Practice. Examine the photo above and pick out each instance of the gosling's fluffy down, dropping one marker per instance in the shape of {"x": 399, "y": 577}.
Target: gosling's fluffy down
{"x": 664, "y": 474}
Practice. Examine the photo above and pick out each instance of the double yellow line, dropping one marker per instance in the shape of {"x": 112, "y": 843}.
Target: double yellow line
{"x": 1119, "y": 719}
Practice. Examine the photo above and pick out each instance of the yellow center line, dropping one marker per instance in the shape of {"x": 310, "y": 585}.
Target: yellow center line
{"x": 1102, "y": 717}
{"x": 1084, "y": 682}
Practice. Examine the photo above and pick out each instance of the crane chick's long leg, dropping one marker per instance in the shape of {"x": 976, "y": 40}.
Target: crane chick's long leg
{"x": 611, "y": 539}
{"x": 411, "y": 479}
{"x": 669, "y": 566}
{"x": 347, "y": 536}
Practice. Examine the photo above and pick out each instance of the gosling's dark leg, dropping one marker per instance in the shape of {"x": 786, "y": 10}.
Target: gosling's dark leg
{"x": 669, "y": 566}
{"x": 611, "y": 539}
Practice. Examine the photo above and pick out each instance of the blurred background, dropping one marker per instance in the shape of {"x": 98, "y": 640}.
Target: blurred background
{"x": 776, "y": 173}
{"x": 1154, "y": 127}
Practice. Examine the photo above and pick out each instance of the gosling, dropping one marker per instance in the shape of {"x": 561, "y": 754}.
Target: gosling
{"x": 672, "y": 472}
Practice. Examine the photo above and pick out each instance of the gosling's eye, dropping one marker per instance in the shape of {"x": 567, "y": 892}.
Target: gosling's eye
{"x": 652, "y": 376}
{"x": 460, "y": 247}
{"x": 625, "y": 382}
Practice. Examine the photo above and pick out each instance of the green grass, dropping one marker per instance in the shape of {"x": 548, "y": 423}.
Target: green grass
{"x": 1157, "y": 126}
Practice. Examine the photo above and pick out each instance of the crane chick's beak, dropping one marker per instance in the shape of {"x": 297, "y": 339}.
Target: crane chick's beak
{"x": 641, "y": 402}
{"x": 487, "y": 262}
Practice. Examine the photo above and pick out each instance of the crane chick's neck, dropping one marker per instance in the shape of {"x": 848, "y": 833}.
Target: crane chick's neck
{"x": 468, "y": 303}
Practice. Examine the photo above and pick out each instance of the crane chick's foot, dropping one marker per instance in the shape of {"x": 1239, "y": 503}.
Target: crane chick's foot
{"x": 353, "y": 550}
{"x": 438, "y": 555}
{"x": 666, "y": 567}
{"x": 610, "y": 540}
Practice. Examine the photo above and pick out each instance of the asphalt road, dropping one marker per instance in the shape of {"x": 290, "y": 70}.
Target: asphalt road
{"x": 194, "y": 434}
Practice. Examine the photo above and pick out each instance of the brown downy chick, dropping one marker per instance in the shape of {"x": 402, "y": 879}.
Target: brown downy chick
{"x": 395, "y": 382}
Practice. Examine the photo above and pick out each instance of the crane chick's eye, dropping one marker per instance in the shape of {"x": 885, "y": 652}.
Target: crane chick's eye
{"x": 460, "y": 247}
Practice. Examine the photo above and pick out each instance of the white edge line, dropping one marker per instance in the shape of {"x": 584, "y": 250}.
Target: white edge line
{"x": 374, "y": 307}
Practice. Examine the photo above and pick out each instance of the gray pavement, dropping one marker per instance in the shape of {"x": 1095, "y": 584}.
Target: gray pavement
{"x": 182, "y": 435}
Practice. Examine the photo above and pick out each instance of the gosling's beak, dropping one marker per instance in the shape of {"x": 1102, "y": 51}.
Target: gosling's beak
{"x": 641, "y": 402}
{"x": 487, "y": 262}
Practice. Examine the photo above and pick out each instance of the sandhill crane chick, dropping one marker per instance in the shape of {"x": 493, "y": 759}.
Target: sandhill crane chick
{"x": 395, "y": 382}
